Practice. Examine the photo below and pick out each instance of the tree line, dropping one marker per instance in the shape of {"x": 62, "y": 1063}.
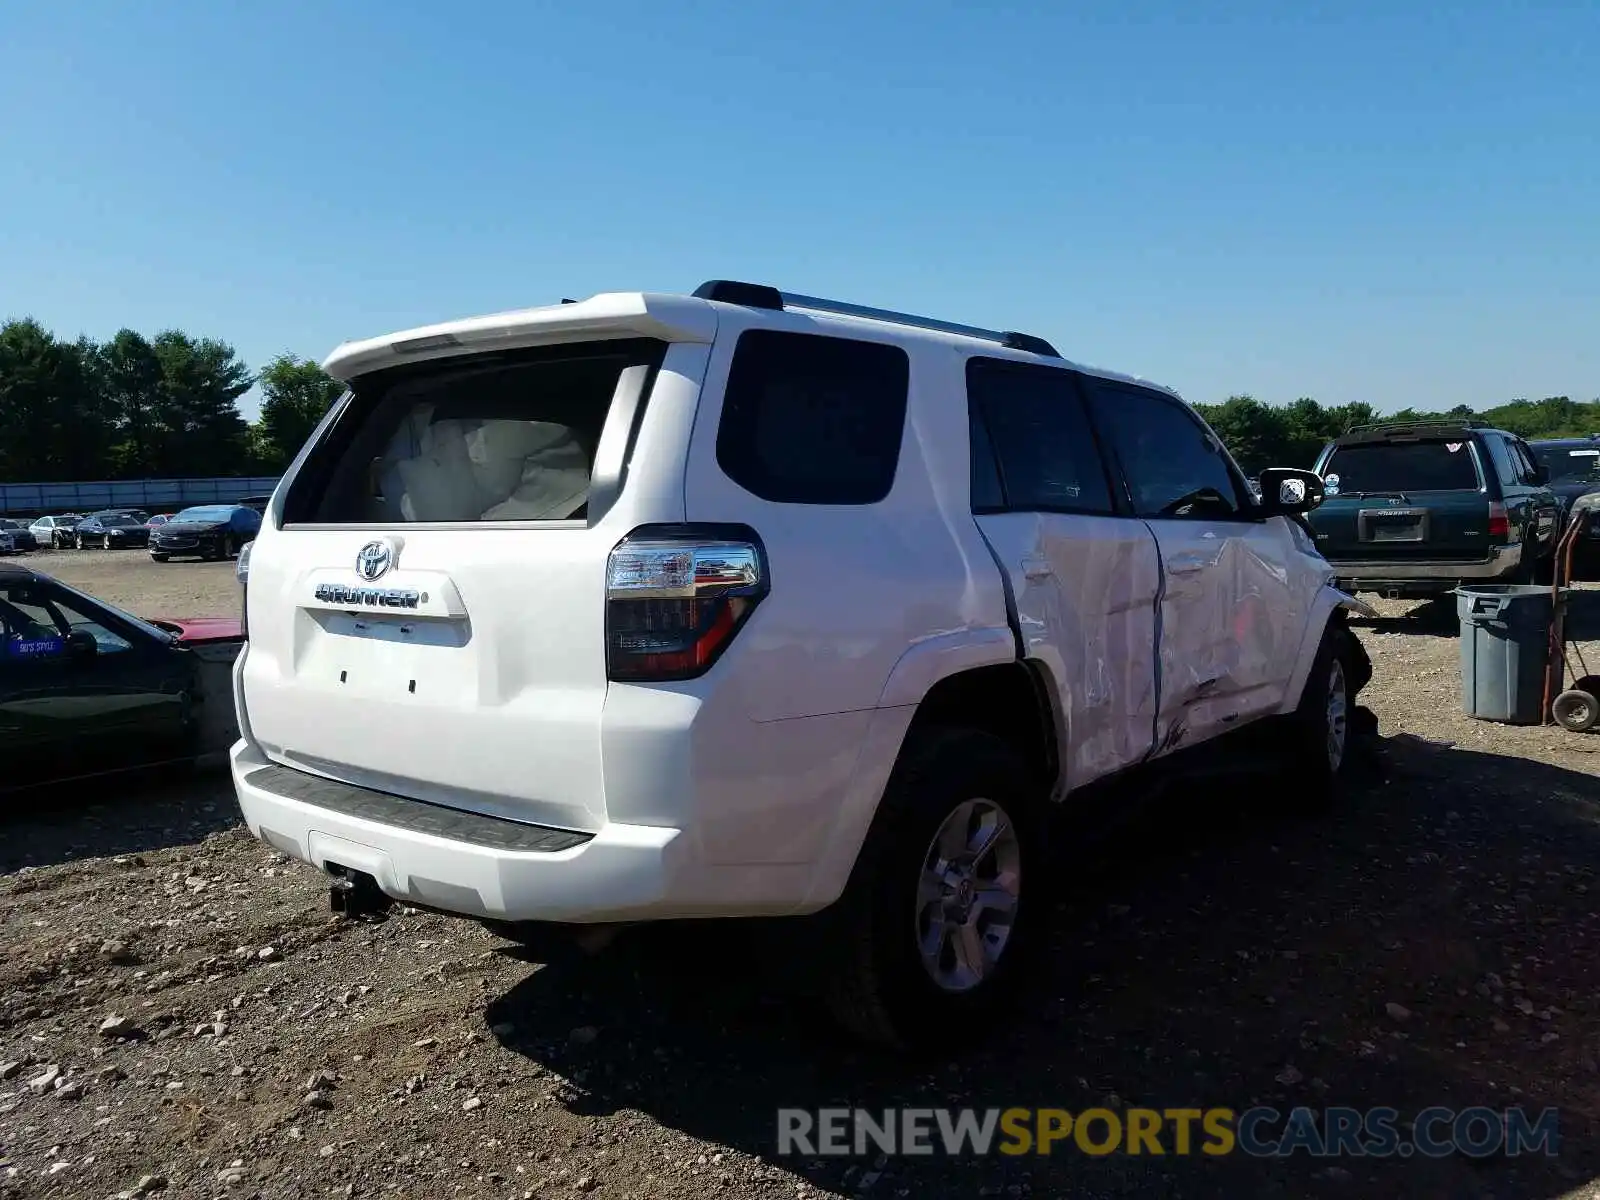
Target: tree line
{"x": 137, "y": 407}
{"x": 166, "y": 406}
{"x": 1290, "y": 435}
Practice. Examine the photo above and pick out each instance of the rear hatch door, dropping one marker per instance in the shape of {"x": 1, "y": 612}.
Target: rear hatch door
{"x": 1404, "y": 499}
{"x": 428, "y": 618}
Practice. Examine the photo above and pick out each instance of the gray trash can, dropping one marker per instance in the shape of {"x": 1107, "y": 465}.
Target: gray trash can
{"x": 1505, "y": 647}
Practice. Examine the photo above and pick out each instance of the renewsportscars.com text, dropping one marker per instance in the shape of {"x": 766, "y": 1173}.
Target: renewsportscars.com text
{"x": 1259, "y": 1132}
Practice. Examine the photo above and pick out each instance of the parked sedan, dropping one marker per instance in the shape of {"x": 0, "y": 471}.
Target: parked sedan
{"x": 86, "y": 689}
{"x": 21, "y": 536}
{"x": 56, "y": 532}
{"x": 157, "y": 521}
{"x": 207, "y": 531}
{"x": 110, "y": 531}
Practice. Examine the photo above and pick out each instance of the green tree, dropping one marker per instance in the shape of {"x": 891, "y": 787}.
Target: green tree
{"x": 202, "y": 432}
{"x": 131, "y": 380}
{"x": 295, "y": 394}
{"x": 52, "y": 425}
{"x": 1256, "y": 433}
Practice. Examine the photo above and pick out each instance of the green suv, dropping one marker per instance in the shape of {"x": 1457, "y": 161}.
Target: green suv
{"x": 1415, "y": 510}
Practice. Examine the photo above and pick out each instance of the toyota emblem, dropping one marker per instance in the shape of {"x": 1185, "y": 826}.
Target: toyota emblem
{"x": 373, "y": 560}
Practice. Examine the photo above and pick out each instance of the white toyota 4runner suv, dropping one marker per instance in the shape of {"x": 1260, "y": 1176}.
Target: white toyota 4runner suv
{"x": 748, "y": 604}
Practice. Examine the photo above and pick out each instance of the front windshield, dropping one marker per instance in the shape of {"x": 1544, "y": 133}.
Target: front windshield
{"x": 117, "y": 522}
{"x": 1570, "y": 464}
{"x": 205, "y": 513}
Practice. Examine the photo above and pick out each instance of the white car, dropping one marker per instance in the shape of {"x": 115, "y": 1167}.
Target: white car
{"x": 55, "y": 532}
{"x": 750, "y": 604}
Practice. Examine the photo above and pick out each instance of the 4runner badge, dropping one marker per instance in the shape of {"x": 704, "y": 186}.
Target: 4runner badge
{"x": 373, "y": 560}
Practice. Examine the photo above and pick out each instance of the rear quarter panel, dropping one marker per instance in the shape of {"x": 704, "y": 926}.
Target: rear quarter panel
{"x": 857, "y": 587}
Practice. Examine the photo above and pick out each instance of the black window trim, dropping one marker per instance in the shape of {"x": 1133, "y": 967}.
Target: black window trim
{"x": 1248, "y": 511}
{"x": 1114, "y": 492}
{"x": 1509, "y": 449}
{"x": 899, "y": 442}
{"x": 1527, "y": 464}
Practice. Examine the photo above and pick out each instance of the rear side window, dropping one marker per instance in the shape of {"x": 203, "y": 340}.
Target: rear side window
{"x": 1502, "y": 454}
{"x": 1424, "y": 466}
{"x": 1526, "y": 472}
{"x": 507, "y": 437}
{"x": 809, "y": 419}
{"x": 1031, "y": 422}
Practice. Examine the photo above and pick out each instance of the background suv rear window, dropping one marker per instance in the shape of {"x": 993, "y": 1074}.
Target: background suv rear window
{"x": 1404, "y": 467}
{"x": 488, "y": 438}
{"x": 809, "y": 419}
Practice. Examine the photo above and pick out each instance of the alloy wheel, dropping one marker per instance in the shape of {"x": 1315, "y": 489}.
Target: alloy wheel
{"x": 967, "y": 895}
{"x": 1338, "y": 723}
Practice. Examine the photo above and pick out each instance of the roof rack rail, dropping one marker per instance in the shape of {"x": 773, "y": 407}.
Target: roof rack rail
{"x": 1442, "y": 422}
{"x": 756, "y": 295}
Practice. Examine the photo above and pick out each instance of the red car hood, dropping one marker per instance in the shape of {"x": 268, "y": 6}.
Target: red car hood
{"x": 194, "y": 630}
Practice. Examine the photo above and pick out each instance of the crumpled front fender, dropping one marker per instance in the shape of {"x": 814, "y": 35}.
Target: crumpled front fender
{"x": 1330, "y": 604}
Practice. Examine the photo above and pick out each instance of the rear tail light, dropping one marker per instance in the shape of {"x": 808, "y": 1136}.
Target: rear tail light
{"x": 676, "y": 596}
{"x": 241, "y": 571}
{"x": 1499, "y": 525}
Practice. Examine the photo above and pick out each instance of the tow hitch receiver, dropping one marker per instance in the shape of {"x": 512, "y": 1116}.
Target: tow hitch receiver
{"x": 354, "y": 893}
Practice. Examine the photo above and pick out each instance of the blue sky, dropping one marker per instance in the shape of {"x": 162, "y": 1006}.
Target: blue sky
{"x": 1396, "y": 203}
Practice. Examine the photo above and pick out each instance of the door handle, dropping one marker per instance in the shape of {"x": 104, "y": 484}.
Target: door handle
{"x": 1037, "y": 568}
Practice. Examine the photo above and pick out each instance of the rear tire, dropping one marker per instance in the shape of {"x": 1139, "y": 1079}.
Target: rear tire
{"x": 947, "y": 901}
{"x": 1320, "y": 729}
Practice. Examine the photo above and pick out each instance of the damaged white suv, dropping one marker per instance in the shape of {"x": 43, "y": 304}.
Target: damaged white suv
{"x": 747, "y": 604}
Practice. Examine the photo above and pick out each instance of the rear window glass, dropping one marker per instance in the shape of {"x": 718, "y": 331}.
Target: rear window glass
{"x": 489, "y": 438}
{"x": 809, "y": 419}
{"x": 1403, "y": 467}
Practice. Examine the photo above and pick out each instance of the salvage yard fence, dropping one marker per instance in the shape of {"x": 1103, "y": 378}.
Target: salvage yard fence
{"x": 150, "y": 495}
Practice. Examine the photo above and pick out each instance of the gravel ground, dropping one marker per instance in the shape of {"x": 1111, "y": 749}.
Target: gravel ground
{"x": 129, "y": 580}
{"x": 219, "y": 1033}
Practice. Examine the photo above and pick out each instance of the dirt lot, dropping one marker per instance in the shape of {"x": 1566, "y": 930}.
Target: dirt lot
{"x": 129, "y": 580}
{"x": 1216, "y": 954}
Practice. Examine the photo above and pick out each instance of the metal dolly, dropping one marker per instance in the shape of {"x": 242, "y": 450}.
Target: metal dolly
{"x": 1576, "y": 708}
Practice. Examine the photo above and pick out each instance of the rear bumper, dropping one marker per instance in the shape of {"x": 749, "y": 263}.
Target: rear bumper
{"x": 1423, "y": 577}
{"x": 459, "y": 862}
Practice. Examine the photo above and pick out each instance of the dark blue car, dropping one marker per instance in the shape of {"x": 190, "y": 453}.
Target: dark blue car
{"x": 1574, "y": 466}
{"x": 21, "y": 536}
{"x": 208, "y": 531}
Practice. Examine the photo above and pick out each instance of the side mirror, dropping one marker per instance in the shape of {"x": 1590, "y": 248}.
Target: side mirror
{"x": 81, "y": 645}
{"x": 1288, "y": 491}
